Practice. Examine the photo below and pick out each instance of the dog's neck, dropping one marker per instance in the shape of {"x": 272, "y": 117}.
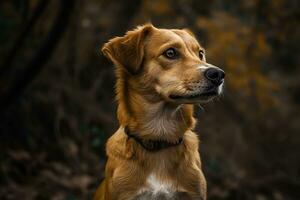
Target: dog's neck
{"x": 152, "y": 119}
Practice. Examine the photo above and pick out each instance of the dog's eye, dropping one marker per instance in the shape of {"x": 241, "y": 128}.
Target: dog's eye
{"x": 171, "y": 53}
{"x": 201, "y": 55}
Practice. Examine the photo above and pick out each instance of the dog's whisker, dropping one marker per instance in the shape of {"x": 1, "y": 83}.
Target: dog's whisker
{"x": 201, "y": 107}
{"x": 182, "y": 117}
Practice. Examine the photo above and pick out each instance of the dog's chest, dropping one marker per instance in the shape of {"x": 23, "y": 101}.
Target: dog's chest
{"x": 156, "y": 189}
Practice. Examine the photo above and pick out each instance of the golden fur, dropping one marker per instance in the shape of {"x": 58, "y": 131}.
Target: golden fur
{"x": 145, "y": 80}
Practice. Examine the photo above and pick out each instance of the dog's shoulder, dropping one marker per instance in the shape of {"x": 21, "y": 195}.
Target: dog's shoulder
{"x": 191, "y": 140}
{"x": 118, "y": 146}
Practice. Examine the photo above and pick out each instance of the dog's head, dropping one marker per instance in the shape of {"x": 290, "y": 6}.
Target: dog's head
{"x": 168, "y": 63}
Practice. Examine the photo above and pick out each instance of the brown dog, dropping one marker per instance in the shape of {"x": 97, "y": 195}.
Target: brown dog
{"x": 161, "y": 73}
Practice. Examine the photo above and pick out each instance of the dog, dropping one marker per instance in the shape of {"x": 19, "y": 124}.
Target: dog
{"x": 161, "y": 74}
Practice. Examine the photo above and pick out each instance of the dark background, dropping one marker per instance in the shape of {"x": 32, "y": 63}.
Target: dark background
{"x": 57, "y": 94}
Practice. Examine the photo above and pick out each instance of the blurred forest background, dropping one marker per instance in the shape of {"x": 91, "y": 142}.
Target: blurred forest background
{"x": 57, "y": 103}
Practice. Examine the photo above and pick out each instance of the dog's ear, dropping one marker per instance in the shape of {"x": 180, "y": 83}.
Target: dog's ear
{"x": 128, "y": 51}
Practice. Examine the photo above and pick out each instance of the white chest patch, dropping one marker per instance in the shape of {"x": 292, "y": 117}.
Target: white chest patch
{"x": 156, "y": 189}
{"x": 156, "y": 186}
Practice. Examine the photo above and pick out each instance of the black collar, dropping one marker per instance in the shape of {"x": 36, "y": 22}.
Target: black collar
{"x": 151, "y": 145}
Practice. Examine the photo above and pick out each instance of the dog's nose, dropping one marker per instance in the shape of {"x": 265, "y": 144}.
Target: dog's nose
{"x": 215, "y": 75}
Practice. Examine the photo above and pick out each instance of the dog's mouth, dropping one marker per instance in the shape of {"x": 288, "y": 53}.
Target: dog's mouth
{"x": 204, "y": 95}
{"x": 194, "y": 96}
